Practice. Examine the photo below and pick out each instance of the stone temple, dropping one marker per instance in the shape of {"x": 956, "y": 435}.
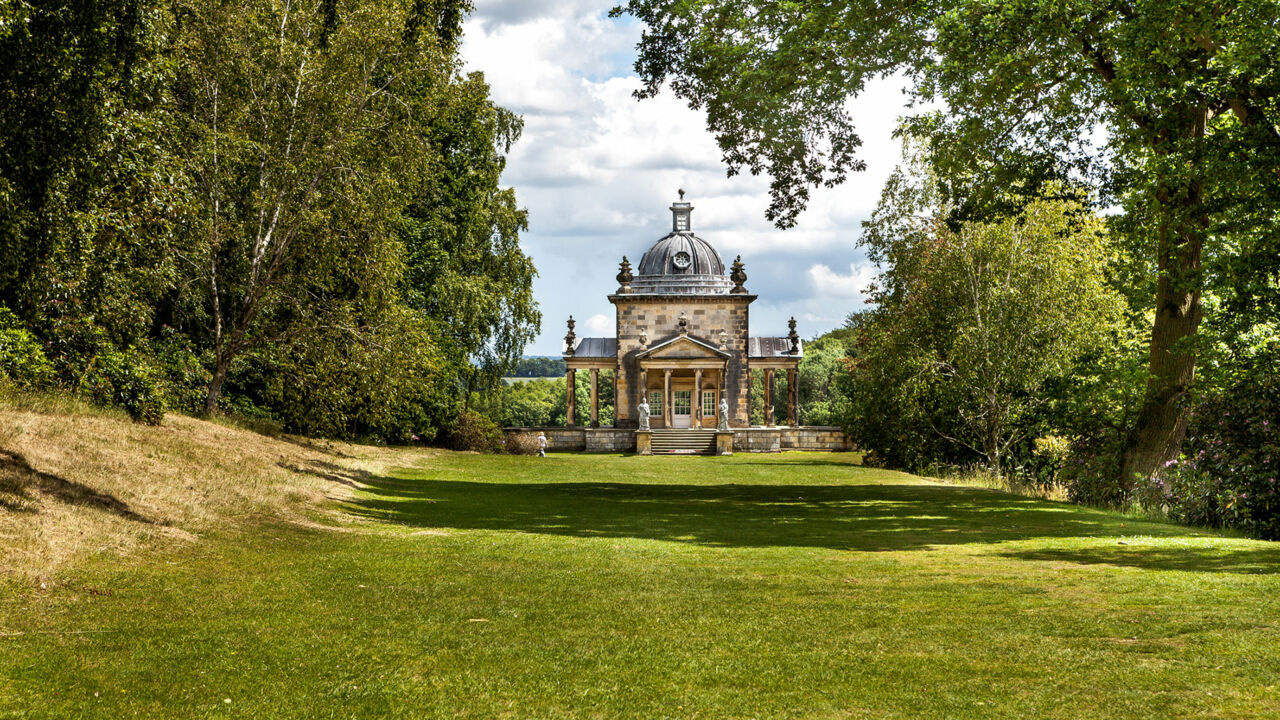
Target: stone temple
{"x": 683, "y": 345}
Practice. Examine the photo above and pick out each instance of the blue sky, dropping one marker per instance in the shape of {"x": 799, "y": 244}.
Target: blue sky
{"x": 597, "y": 170}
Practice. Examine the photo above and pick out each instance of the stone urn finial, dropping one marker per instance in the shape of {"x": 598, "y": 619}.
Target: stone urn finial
{"x": 793, "y": 336}
{"x": 570, "y": 339}
{"x": 644, "y": 337}
{"x": 624, "y": 276}
{"x": 683, "y": 324}
{"x": 724, "y": 340}
{"x": 738, "y": 275}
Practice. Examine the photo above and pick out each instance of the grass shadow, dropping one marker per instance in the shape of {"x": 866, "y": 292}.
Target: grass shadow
{"x": 849, "y": 517}
{"x": 1260, "y": 561}
{"x": 331, "y": 472}
{"x": 19, "y": 477}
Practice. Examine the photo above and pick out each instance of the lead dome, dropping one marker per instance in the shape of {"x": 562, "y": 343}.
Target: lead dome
{"x": 681, "y": 262}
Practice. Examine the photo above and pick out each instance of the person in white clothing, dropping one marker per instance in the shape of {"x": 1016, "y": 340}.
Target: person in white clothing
{"x": 542, "y": 445}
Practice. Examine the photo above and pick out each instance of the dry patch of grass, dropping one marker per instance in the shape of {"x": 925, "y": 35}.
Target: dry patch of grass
{"x": 77, "y": 481}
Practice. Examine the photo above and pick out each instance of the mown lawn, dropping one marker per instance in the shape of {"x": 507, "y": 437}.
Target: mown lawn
{"x": 578, "y": 586}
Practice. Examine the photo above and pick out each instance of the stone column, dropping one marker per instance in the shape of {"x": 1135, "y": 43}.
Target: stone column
{"x": 697, "y": 398}
{"x": 666, "y": 398}
{"x": 595, "y": 397}
{"x": 793, "y": 398}
{"x": 768, "y": 397}
{"x": 570, "y": 416}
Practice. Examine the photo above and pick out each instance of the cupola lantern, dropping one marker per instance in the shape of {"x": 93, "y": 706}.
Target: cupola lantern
{"x": 680, "y": 215}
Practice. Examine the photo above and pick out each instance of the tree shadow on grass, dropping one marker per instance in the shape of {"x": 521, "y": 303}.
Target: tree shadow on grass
{"x": 1262, "y": 560}
{"x": 845, "y": 517}
{"x": 17, "y": 477}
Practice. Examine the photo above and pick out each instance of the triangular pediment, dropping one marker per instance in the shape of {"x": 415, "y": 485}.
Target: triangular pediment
{"x": 683, "y": 347}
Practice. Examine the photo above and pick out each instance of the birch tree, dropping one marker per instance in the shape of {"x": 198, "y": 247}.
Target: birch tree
{"x": 303, "y": 116}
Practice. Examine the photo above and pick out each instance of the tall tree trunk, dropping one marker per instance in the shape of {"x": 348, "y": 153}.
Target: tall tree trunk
{"x": 1161, "y": 425}
{"x": 214, "y": 391}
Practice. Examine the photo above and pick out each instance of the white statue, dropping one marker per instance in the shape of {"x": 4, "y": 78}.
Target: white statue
{"x": 724, "y": 415}
{"x": 644, "y": 414}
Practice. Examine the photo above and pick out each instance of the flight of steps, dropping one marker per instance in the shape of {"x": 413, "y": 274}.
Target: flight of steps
{"x": 684, "y": 442}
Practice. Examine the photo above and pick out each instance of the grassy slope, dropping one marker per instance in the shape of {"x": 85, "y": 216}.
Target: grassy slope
{"x": 579, "y": 586}
{"x": 77, "y": 481}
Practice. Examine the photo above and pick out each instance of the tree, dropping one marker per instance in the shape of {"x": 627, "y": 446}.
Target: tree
{"x": 1185, "y": 91}
{"x": 461, "y": 234}
{"x": 89, "y": 182}
{"x": 303, "y": 117}
{"x": 979, "y": 320}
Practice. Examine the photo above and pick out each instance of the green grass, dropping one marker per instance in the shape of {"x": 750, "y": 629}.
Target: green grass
{"x": 577, "y": 586}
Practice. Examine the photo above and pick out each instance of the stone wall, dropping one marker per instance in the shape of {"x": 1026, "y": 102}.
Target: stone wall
{"x": 756, "y": 439}
{"x": 600, "y": 440}
{"x": 610, "y": 440}
{"x": 558, "y": 438}
{"x": 816, "y": 437}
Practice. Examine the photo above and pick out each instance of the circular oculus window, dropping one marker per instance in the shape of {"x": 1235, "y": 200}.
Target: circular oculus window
{"x": 681, "y": 260}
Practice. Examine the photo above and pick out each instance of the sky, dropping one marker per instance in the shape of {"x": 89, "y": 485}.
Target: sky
{"x": 598, "y": 169}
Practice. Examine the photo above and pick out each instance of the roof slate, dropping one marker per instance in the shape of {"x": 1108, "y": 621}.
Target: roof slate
{"x": 590, "y": 347}
{"x": 763, "y": 347}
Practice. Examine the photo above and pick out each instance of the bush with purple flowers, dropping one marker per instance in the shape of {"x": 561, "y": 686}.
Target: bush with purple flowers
{"x": 1229, "y": 474}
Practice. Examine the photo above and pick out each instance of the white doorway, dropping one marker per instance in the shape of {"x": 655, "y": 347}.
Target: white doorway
{"x": 682, "y": 408}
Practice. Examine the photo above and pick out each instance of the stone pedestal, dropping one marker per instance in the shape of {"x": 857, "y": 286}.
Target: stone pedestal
{"x": 724, "y": 442}
{"x": 644, "y": 442}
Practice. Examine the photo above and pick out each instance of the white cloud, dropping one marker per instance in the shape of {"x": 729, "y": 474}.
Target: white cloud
{"x": 597, "y": 169}
{"x": 600, "y": 325}
{"x": 829, "y": 283}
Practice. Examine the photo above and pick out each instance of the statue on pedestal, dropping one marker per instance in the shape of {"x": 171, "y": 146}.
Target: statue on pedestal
{"x": 643, "y": 413}
{"x": 724, "y": 415}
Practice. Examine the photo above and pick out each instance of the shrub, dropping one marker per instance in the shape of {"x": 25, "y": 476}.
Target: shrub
{"x": 475, "y": 432}
{"x": 124, "y": 379}
{"x": 1229, "y": 475}
{"x": 522, "y": 444}
{"x": 1091, "y": 472}
{"x": 22, "y": 360}
{"x": 182, "y": 376}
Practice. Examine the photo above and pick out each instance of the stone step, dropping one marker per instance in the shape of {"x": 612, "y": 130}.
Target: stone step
{"x": 679, "y": 441}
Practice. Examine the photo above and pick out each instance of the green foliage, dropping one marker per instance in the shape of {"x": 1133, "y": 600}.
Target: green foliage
{"x": 543, "y": 402}
{"x": 299, "y": 203}
{"x": 825, "y": 381}
{"x": 182, "y": 371}
{"x": 460, "y": 229}
{"x": 125, "y": 379}
{"x": 973, "y": 325}
{"x": 22, "y": 361}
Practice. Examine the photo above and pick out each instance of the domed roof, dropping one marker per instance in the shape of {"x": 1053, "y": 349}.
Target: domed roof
{"x": 681, "y": 262}
{"x": 681, "y": 254}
